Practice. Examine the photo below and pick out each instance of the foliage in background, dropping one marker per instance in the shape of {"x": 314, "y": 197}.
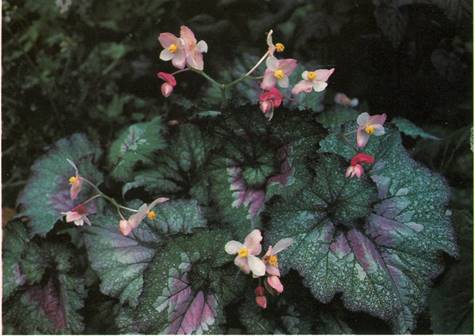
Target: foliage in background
{"x": 89, "y": 66}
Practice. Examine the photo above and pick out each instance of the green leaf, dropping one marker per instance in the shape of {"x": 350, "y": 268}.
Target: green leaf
{"x": 380, "y": 250}
{"x": 180, "y": 170}
{"x": 336, "y": 117}
{"x": 50, "y": 308}
{"x": 15, "y": 242}
{"x": 121, "y": 260}
{"x": 408, "y": 128}
{"x": 47, "y": 302}
{"x": 451, "y": 301}
{"x": 187, "y": 286}
{"x": 136, "y": 144}
{"x": 46, "y": 193}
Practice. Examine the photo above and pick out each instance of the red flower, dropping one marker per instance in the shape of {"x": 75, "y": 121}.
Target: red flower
{"x": 355, "y": 168}
{"x": 269, "y": 100}
{"x": 362, "y": 158}
{"x": 170, "y": 83}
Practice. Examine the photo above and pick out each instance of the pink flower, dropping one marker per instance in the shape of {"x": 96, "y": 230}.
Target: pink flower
{"x": 278, "y": 71}
{"x": 246, "y": 258}
{"x": 261, "y": 299}
{"x": 355, "y": 168}
{"x": 272, "y": 263}
{"x": 269, "y": 100}
{"x": 193, "y": 50}
{"x": 75, "y": 181}
{"x": 127, "y": 225}
{"x": 369, "y": 125}
{"x": 344, "y": 100}
{"x": 174, "y": 49}
{"x": 170, "y": 83}
{"x": 316, "y": 80}
{"x": 78, "y": 215}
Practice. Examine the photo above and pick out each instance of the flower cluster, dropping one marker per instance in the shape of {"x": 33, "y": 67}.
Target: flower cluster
{"x": 268, "y": 265}
{"x": 186, "y": 53}
{"x": 367, "y": 126}
{"x": 79, "y": 213}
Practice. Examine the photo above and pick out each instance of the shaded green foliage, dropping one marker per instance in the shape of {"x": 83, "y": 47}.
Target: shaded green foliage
{"x": 89, "y": 67}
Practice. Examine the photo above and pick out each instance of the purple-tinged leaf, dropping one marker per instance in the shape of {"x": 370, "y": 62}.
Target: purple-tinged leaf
{"x": 187, "y": 286}
{"x": 377, "y": 239}
{"x": 121, "y": 260}
{"x": 46, "y": 194}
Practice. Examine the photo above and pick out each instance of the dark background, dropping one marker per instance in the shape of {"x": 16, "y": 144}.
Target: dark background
{"x": 90, "y": 66}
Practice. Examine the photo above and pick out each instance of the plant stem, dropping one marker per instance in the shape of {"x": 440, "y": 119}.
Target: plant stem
{"x": 110, "y": 199}
{"x": 180, "y": 71}
{"x": 234, "y": 82}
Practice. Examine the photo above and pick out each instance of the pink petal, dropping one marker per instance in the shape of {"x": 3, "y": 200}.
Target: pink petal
{"x": 359, "y": 171}
{"x": 265, "y": 106}
{"x": 187, "y": 35}
{"x": 166, "y": 39}
{"x": 282, "y": 245}
{"x": 377, "y": 119}
{"x": 275, "y": 283}
{"x": 167, "y": 77}
{"x": 166, "y": 89}
{"x": 243, "y": 264}
{"x": 302, "y": 86}
{"x": 179, "y": 61}
{"x": 256, "y": 265}
{"x": 272, "y": 270}
{"x": 261, "y": 301}
{"x": 324, "y": 74}
{"x": 138, "y": 217}
{"x": 195, "y": 59}
{"x": 232, "y": 247}
{"x": 269, "y": 80}
{"x": 158, "y": 201}
{"x": 124, "y": 227}
{"x": 361, "y": 137}
{"x": 288, "y": 65}
{"x": 253, "y": 242}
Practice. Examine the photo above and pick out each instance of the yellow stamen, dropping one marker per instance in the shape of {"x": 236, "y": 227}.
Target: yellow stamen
{"x": 73, "y": 180}
{"x": 311, "y": 75}
{"x": 279, "y": 47}
{"x": 151, "y": 215}
{"x": 172, "y": 48}
{"x": 279, "y": 74}
{"x": 273, "y": 260}
{"x": 369, "y": 129}
{"x": 243, "y": 252}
